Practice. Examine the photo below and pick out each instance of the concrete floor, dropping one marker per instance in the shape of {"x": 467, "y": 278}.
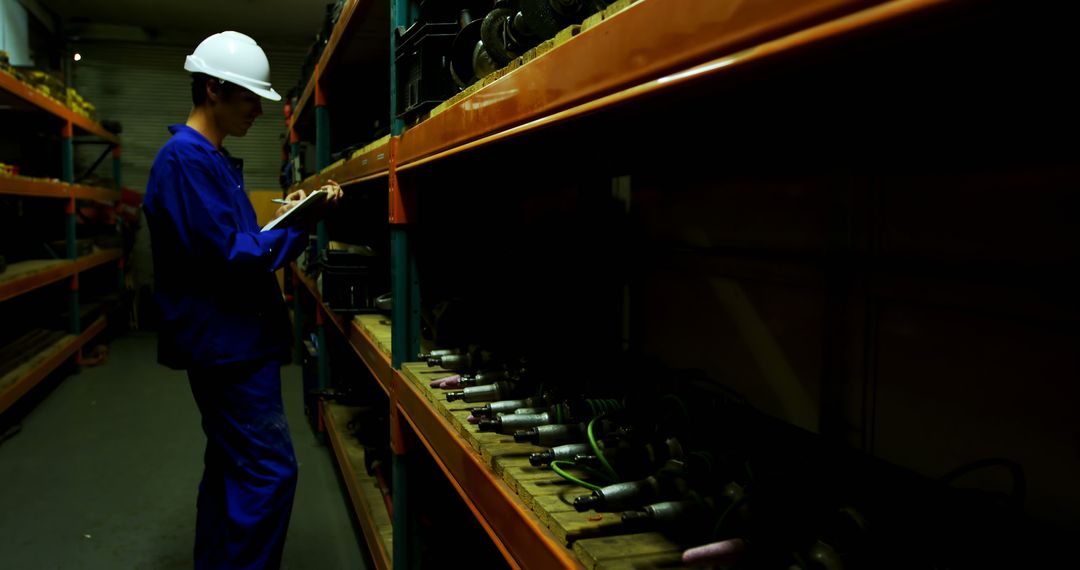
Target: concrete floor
{"x": 105, "y": 472}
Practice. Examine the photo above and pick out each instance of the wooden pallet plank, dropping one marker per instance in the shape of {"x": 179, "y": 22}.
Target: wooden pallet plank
{"x": 379, "y": 328}
{"x": 23, "y": 276}
{"x": 499, "y": 453}
{"x": 26, "y": 348}
{"x": 516, "y": 476}
{"x": 554, "y": 496}
{"x": 19, "y": 345}
{"x": 531, "y": 483}
{"x": 572, "y": 526}
{"x": 21, "y": 379}
{"x": 549, "y": 496}
{"x": 366, "y": 496}
{"x": 641, "y": 550}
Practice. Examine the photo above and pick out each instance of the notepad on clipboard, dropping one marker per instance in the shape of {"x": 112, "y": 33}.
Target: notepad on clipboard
{"x": 301, "y": 213}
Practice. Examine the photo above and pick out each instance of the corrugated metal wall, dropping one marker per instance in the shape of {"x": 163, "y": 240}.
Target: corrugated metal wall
{"x": 145, "y": 87}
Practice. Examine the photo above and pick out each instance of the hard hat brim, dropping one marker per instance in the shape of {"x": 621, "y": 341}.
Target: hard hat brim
{"x": 265, "y": 93}
{"x": 196, "y": 65}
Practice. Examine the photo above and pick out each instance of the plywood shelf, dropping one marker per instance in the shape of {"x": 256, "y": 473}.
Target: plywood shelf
{"x": 22, "y": 379}
{"x": 25, "y": 276}
{"x": 367, "y": 498}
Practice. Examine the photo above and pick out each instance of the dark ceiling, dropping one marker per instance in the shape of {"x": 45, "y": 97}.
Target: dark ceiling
{"x": 282, "y": 23}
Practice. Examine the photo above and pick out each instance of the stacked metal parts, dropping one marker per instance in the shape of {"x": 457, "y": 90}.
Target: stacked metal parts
{"x": 293, "y": 170}
{"x": 672, "y": 452}
{"x": 453, "y": 45}
{"x": 315, "y": 51}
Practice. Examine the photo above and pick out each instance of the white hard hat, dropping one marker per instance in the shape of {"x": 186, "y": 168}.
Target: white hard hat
{"x": 236, "y": 58}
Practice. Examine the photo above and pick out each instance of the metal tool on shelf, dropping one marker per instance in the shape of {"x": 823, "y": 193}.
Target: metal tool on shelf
{"x": 488, "y": 393}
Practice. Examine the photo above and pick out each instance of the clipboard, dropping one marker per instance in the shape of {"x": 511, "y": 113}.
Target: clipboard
{"x": 299, "y": 214}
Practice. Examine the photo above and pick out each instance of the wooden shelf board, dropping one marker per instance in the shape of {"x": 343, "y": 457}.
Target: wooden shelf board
{"x": 364, "y": 493}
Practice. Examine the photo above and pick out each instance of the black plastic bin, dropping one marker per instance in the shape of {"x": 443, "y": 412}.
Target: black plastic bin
{"x": 350, "y": 282}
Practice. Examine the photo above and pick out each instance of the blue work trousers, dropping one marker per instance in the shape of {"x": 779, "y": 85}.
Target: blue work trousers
{"x": 249, "y": 477}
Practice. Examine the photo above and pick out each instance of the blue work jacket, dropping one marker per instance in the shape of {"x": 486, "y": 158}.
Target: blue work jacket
{"x": 213, "y": 269}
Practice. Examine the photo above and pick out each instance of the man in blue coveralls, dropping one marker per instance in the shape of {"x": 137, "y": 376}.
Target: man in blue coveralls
{"x": 223, "y": 316}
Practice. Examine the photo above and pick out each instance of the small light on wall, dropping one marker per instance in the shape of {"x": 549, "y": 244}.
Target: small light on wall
{"x": 78, "y": 56}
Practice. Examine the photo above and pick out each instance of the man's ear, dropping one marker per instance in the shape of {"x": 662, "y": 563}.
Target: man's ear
{"x": 213, "y": 90}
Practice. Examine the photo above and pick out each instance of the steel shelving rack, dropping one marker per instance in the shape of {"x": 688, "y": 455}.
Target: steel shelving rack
{"x": 26, "y": 276}
{"x": 677, "y": 47}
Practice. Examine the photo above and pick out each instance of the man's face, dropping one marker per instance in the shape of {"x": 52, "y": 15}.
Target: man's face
{"x": 236, "y": 112}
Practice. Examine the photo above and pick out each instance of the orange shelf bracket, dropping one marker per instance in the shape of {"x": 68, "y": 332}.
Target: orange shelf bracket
{"x": 401, "y": 202}
{"x": 397, "y": 435}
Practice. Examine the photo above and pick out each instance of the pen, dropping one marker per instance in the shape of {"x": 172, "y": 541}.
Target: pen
{"x": 279, "y": 201}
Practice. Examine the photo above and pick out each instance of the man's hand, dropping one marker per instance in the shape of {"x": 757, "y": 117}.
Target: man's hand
{"x": 293, "y": 199}
{"x": 335, "y": 192}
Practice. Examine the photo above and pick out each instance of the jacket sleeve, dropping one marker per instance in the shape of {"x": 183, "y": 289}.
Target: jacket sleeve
{"x": 214, "y": 228}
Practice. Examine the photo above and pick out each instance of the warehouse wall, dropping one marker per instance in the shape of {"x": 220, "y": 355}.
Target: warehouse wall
{"x": 145, "y": 87}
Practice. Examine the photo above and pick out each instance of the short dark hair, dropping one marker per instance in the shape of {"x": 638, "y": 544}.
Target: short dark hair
{"x": 198, "y": 87}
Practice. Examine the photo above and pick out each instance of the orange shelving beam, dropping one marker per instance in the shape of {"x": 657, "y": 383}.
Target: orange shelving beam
{"x": 25, "y": 276}
{"x": 23, "y": 186}
{"x": 10, "y": 84}
{"x": 646, "y": 42}
{"x": 61, "y": 351}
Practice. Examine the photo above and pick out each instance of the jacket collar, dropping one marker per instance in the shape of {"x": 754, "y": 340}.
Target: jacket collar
{"x": 189, "y": 134}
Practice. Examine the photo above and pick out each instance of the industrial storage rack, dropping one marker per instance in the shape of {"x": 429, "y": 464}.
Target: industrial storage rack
{"x": 25, "y": 276}
{"x": 677, "y": 47}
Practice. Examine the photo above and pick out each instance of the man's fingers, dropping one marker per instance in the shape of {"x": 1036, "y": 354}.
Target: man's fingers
{"x": 334, "y": 190}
